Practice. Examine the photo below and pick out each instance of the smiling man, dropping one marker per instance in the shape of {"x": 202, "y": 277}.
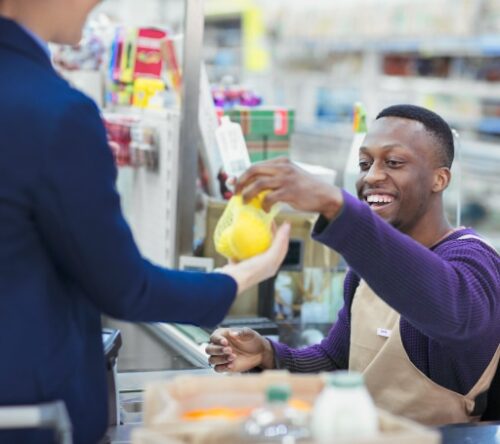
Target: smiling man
{"x": 422, "y": 300}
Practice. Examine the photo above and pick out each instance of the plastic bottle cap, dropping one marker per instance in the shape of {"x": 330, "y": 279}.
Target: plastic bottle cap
{"x": 278, "y": 393}
{"x": 344, "y": 379}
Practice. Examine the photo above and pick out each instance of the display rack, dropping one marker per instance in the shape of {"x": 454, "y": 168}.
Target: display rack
{"x": 150, "y": 197}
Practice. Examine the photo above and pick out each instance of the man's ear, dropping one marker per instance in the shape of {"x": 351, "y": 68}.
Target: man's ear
{"x": 442, "y": 177}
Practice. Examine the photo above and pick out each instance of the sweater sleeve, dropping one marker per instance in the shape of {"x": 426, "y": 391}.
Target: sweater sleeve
{"x": 449, "y": 294}
{"x": 330, "y": 354}
{"x": 80, "y": 220}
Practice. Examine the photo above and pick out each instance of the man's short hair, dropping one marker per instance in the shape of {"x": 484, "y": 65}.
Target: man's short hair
{"x": 433, "y": 123}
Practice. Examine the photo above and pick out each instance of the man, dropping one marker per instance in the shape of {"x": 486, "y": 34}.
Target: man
{"x": 66, "y": 253}
{"x": 422, "y": 300}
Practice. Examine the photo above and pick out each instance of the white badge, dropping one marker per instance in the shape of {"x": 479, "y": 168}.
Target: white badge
{"x": 384, "y": 332}
{"x": 232, "y": 146}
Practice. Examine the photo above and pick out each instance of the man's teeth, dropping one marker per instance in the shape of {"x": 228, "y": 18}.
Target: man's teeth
{"x": 379, "y": 198}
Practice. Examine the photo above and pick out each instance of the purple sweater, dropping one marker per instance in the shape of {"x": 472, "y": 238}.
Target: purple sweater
{"x": 448, "y": 298}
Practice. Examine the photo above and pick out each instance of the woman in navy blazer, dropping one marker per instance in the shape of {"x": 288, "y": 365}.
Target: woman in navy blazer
{"x": 66, "y": 253}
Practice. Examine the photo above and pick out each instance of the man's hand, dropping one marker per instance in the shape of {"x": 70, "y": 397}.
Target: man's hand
{"x": 290, "y": 184}
{"x": 239, "y": 350}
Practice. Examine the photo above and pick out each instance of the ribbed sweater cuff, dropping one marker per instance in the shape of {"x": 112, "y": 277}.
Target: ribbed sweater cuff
{"x": 283, "y": 357}
{"x": 336, "y": 233}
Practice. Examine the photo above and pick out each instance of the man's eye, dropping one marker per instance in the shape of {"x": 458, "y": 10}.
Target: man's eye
{"x": 394, "y": 163}
{"x": 364, "y": 165}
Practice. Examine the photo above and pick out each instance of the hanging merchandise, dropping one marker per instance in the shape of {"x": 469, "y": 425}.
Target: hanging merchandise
{"x": 143, "y": 68}
{"x": 133, "y": 143}
{"x": 148, "y": 59}
{"x": 351, "y": 172}
{"x": 147, "y": 93}
{"x": 226, "y": 95}
{"x": 118, "y": 130}
{"x": 173, "y": 70}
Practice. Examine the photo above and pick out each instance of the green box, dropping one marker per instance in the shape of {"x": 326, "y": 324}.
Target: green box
{"x": 272, "y": 122}
{"x": 267, "y": 130}
{"x": 265, "y": 150}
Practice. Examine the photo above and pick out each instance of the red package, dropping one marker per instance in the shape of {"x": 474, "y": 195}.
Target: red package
{"x": 148, "y": 60}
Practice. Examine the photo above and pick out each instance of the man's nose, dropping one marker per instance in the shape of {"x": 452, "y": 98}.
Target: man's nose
{"x": 375, "y": 174}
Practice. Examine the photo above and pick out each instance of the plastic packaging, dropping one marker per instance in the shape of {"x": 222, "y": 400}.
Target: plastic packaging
{"x": 351, "y": 172}
{"x": 277, "y": 420}
{"x": 244, "y": 230}
{"x": 344, "y": 410}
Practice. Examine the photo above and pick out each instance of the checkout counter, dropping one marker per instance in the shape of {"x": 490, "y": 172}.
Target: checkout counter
{"x": 162, "y": 351}
{"x": 185, "y": 345}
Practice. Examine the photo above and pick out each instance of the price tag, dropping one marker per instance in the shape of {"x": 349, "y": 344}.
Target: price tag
{"x": 233, "y": 149}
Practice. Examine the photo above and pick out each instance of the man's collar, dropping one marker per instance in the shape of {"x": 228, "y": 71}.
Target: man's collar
{"x": 15, "y": 37}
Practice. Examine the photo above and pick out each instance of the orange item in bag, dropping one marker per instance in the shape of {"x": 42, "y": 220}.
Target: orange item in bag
{"x": 216, "y": 413}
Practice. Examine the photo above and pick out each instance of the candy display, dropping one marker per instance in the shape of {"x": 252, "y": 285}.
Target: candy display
{"x": 228, "y": 97}
{"x": 143, "y": 67}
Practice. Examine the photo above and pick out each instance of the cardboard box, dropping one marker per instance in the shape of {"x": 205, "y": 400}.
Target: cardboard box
{"x": 260, "y": 150}
{"x": 272, "y": 122}
{"x": 165, "y": 403}
{"x": 267, "y": 130}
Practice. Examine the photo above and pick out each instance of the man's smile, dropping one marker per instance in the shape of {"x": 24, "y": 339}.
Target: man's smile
{"x": 378, "y": 200}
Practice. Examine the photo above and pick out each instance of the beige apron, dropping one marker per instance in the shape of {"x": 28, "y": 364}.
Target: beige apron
{"x": 392, "y": 379}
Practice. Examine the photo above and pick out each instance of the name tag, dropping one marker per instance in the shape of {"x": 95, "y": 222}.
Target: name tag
{"x": 384, "y": 332}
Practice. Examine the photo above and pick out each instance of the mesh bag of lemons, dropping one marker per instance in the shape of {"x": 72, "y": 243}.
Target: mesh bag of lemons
{"x": 244, "y": 230}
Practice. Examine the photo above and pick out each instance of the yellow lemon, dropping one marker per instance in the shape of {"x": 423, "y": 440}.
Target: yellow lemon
{"x": 223, "y": 246}
{"x": 257, "y": 200}
{"x": 250, "y": 235}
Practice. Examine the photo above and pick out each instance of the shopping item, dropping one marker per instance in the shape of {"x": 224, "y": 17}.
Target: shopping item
{"x": 143, "y": 69}
{"x": 344, "y": 410}
{"x": 267, "y": 130}
{"x": 277, "y": 420}
{"x": 166, "y": 402}
{"x": 244, "y": 230}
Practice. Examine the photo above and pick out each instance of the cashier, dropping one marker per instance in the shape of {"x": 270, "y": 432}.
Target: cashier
{"x": 421, "y": 299}
{"x": 66, "y": 253}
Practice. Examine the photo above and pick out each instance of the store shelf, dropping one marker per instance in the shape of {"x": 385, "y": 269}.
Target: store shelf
{"x": 489, "y": 125}
{"x": 487, "y": 45}
{"x": 453, "y": 87}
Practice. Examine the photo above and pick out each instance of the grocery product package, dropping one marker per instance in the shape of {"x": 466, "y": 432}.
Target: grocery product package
{"x": 169, "y": 408}
{"x": 244, "y": 230}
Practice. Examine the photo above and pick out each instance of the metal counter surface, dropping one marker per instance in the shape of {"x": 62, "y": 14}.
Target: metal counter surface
{"x": 480, "y": 433}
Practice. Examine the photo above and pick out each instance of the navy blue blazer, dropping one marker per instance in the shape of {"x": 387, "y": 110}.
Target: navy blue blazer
{"x": 66, "y": 253}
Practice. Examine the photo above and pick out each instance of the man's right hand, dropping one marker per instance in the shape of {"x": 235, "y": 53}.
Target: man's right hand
{"x": 286, "y": 182}
{"x": 239, "y": 350}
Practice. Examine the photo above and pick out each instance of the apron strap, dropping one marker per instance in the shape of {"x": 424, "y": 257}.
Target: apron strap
{"x": 472, "y": 236}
